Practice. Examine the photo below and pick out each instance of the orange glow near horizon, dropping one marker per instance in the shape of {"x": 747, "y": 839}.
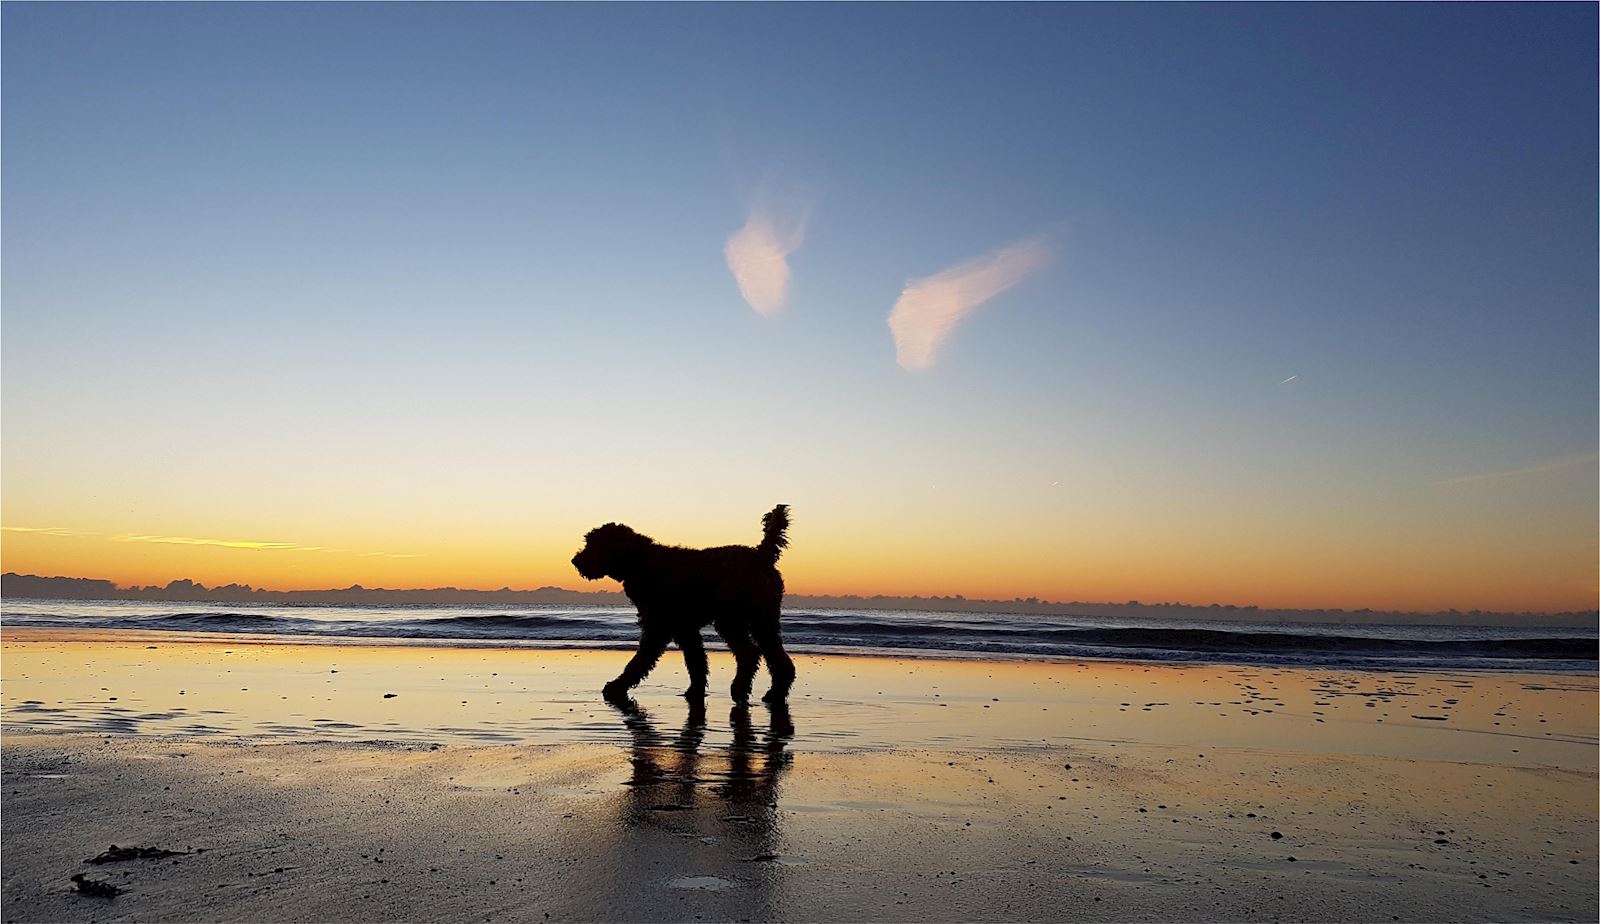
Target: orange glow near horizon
{"x": 1272, "y": 575}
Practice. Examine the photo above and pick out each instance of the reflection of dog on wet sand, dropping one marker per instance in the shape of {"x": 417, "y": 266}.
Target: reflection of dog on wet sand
{"x": 669, "y": 773}
{"x": 735, "y": 588}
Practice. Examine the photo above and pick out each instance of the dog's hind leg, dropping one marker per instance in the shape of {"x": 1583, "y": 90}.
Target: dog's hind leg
{"x": 779, "y": 665}
{"x": 745, "y": 654}
{"x": 694, "y": 658}
{"x": 651, "y": 644}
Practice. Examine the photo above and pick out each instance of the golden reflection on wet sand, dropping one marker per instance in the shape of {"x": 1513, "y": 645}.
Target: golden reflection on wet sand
{"x": 498, "y": 783}
{"x": 271, "y": 688}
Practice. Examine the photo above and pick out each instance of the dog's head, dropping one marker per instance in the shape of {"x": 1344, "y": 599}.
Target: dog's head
{"x": 612, "y": 550}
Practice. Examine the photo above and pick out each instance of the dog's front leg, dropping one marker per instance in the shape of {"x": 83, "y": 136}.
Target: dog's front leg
{"x": 694, "y": 658}
{"x": 651, "y": 644}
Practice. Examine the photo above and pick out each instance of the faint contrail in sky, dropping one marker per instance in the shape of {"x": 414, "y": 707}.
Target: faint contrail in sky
{"x": 256, "y": 546}
{"x": 223, "y": 543}
{"x": 46, "y": 530}
{"x": 1289, "y": 379}
{"x": 1555, "y": 465}
{"x": 929, "y": 308}
{"x": 191, "y": 540}
{"x": 758, "y": 257}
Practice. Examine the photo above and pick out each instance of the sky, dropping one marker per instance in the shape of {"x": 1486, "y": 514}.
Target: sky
{"x": 1283, "y": 305}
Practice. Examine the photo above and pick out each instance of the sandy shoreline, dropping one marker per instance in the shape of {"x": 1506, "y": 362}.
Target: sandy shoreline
{"x": 890, "y": 789}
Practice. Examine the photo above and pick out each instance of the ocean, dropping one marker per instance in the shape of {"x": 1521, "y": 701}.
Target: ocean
{"x": 901, "y": 632}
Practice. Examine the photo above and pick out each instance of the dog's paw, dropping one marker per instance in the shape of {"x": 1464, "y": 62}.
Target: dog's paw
{"x": 695, "y": 693}
{"x": 614, "y": 691}
{"x": 775, "y": 695}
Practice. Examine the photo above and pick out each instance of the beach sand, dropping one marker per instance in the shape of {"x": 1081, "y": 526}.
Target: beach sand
{"x": 494, "y": 784}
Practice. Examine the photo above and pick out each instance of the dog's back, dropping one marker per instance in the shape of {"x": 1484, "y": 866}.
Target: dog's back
{"x": 710, "y": 580}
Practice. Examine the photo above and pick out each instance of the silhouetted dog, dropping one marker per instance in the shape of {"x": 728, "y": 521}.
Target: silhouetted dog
{"x": 735, "y": 588}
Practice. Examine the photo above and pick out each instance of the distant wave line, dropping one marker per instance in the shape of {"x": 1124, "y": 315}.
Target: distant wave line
{"x": 948, "y": 634}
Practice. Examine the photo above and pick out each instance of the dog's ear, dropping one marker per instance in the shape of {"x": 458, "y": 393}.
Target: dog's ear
{"x": 619, "y": 548}
{"x": 630, "y": 548}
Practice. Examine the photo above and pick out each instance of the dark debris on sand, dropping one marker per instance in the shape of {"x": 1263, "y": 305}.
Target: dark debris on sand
{"x": 95, "y": 887}
{"x": 116, "y": 854}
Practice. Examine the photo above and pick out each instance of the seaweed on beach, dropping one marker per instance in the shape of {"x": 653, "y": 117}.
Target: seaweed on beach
{"x": 116, "y": 854}
{"x": 95, "y": 887}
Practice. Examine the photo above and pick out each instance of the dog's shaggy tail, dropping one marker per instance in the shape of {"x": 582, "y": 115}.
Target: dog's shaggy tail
{"x": 774, "y": 533}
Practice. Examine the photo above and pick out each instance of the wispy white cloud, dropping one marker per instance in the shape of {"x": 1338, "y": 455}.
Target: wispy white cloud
{"x": 758, "y": 257}
{"x": 1554, "y": 465}
{"x": 929, "y": 308}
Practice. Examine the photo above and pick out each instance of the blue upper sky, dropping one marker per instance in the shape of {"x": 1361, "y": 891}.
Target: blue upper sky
{"x": 364, "y": 228}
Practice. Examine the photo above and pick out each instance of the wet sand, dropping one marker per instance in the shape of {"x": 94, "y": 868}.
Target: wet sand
{"x": 494, "y": 784}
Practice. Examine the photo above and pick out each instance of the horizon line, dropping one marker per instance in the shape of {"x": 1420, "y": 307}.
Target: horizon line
{"x": 957, "y": 598}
